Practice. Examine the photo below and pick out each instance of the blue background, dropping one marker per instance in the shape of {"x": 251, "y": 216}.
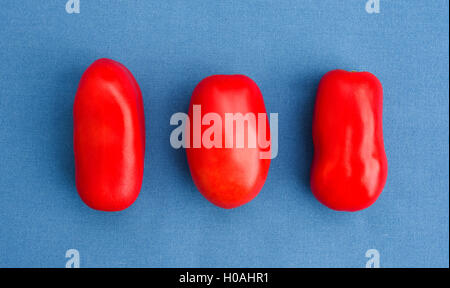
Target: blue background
{"x": 285, "y": 46}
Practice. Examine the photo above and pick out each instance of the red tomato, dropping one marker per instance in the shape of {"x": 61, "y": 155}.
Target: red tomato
{"x": 109, "y": 136}
{"x": 228, "y": 177}
{"x": 349, "y": 168}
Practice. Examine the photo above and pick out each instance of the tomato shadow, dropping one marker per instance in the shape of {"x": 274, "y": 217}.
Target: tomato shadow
{"x": 180, "y": 104}
{"x": 63, "y": 148}
{"x": 308, "y": 86}
{"x": 165, "y": 166}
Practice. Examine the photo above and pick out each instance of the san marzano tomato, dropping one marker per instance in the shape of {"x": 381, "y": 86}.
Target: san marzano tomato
{"x": 109, "y": 136}
{"x": 231, "y": 172}
{"x": 349, "y": 168}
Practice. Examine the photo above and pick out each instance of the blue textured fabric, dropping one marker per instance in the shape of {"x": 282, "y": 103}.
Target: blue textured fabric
{"x": 169, "y": 46}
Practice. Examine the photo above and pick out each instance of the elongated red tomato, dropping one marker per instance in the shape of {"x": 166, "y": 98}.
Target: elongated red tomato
{"x": 349, "y": 168}
{"x": 109, "y": 136}
{"x": 228, "y": 174}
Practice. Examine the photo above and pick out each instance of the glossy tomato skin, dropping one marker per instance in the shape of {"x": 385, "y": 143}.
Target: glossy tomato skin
{"x": 228, "y": 177}
{"x": 109, "y": 136}
{"x": 349, "y": 167}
